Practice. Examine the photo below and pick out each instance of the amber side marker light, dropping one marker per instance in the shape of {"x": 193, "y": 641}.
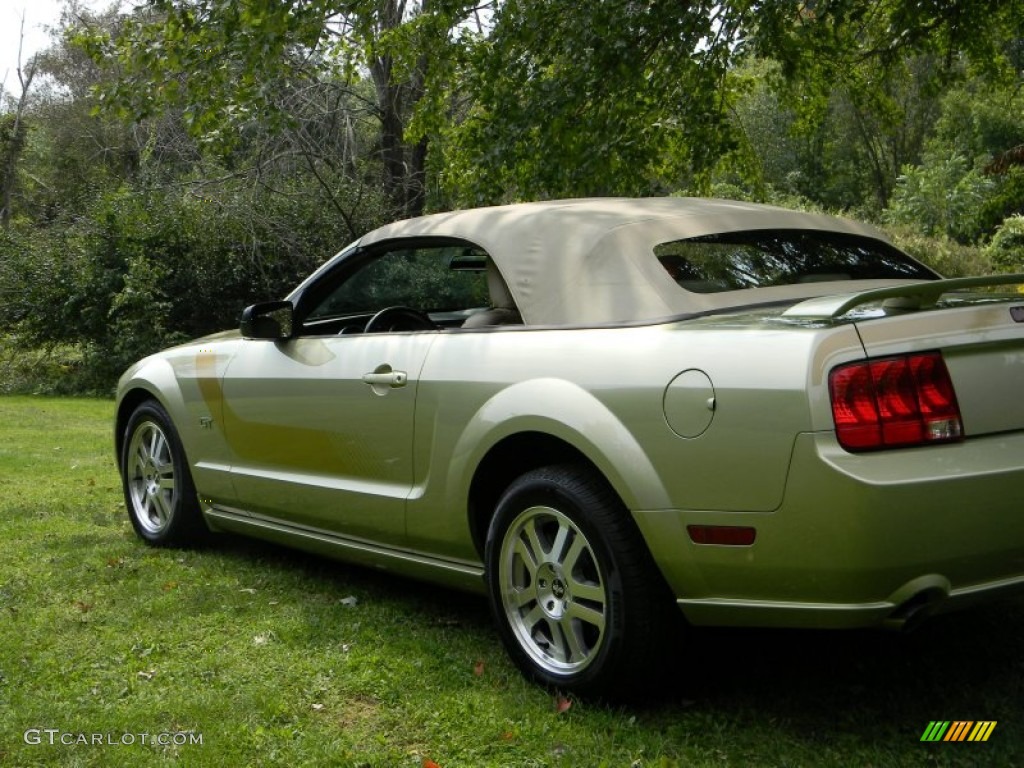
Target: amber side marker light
{"x": 727, "y": 535}
{"x": 894, "y": 402}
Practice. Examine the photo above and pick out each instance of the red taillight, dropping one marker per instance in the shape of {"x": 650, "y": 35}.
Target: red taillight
{"x": 894, "y": 401}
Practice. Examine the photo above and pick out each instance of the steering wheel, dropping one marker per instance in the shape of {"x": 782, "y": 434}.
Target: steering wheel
{"x": 399, "y": 319}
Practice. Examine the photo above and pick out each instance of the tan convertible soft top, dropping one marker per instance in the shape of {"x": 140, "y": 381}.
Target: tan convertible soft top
{"x": 592, "y": 260}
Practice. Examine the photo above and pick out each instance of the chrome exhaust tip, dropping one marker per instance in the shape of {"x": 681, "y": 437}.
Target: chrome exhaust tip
{"x": 910, "y": 614}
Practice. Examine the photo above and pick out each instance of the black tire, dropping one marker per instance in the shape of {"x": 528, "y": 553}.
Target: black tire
{"x": 158, "y": 489}
{"x": 577, "y": 599}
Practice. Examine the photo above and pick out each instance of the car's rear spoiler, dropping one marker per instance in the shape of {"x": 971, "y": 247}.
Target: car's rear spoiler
{"x": 910, "y": 296}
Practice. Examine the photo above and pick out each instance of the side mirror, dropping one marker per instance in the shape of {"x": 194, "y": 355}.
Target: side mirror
{"x": 267, "y": 320}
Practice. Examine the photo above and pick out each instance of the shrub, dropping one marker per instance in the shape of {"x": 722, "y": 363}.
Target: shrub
{"x": 941, "y": 198}
{"x": 144, "y": 269}
{"x": 1007, "y": 247}
{"x": 946, "y": 256}
{"x": 50, "y": 370}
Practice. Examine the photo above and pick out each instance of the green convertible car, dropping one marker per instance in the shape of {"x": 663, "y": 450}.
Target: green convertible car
{"x": 591, "y": 409}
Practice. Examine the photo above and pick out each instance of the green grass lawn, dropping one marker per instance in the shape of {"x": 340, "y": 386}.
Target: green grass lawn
{"x": 260, "y": 653}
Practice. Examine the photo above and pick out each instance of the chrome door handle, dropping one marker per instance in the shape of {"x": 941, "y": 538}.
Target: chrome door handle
{"x": 391, "y": 379}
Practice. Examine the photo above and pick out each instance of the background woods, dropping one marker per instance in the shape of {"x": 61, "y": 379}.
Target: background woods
{"x": 163, "y": 165}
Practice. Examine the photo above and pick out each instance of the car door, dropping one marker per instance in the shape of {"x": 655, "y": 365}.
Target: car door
{"x": 320, "y": 424}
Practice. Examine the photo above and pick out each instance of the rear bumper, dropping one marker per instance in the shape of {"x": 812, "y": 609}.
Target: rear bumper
{"x": 912, "y": 603}
{"x": 859, "y": 539}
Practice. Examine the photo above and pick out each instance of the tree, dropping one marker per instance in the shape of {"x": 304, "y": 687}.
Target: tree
{"x": 970, "y": 178}
{"x": 247, "y": 61}
{"x": 625, "y": 98}
{"x": 13, "y": 133}
{"x": 635, "y": 97}
{"x": 846, "y": 151}
{"x": 134, "y": 234}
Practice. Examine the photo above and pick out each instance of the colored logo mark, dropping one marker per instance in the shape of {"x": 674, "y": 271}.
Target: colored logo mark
{"x": 959, "y": 730}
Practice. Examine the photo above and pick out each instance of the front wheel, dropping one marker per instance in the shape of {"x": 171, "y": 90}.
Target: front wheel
{"x": 577, "y": 600}
{"x": 158, "y": 489}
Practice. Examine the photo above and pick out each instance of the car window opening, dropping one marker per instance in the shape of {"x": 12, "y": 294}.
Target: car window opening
{"x": 762, "y": 258}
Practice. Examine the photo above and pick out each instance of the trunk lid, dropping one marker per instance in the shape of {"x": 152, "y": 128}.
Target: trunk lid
{"x": 980, "y": 336}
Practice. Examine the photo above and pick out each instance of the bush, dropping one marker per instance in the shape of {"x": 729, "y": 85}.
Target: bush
{"x": 946, "y": 256}
{"x": 941, "y": 198}
{"x": 1007, "y": 247}
{"x": 144, "y": 269}
{"x": 51, "y": 370}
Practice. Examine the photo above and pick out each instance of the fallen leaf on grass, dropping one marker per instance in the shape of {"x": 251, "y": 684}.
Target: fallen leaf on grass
{"x": 147, "y": 675}
{"x": 478, "y": 669}
{"x": 428, "y": 763}
{"x": 317, "y": 707}
{"x": 562, "y": 704}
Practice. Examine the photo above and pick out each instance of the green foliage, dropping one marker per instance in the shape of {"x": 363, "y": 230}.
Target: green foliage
{"x": 146, "y": 268}
{"x": 980, "y": 119}
{"x": 230, "y": 51}
{"x": 260, "y": 70}
{"x": 1005, "y": 199}
{"x": 824, "y": 42}
{"x": 192, "y": 156}
{"x": 13, "y": 133}
{"x": 1007, "y": 247}
{"x": 947, "y": 257}
{"x": 959, "y": 189}
{"x": 41, "y": 370}
{"x": 611, "y": 101}
{"x": 941, "y": 198}
{"x": 642, "y": 98}
{"x": 839, "y": 140}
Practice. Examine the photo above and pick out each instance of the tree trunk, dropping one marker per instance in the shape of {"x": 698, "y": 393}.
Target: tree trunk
{"x": 404, "y": 166}
{"x": 8, "y": 179}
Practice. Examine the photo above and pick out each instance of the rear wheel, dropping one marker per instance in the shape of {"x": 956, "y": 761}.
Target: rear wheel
{"x": 158, "y": 489}
{"x": 578, "y": 602}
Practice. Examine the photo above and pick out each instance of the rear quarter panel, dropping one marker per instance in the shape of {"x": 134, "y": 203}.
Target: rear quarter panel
{"x": 603, "y": 391}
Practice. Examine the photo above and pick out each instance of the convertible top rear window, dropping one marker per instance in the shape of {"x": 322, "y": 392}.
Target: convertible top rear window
{"x": 758, "y": 259}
